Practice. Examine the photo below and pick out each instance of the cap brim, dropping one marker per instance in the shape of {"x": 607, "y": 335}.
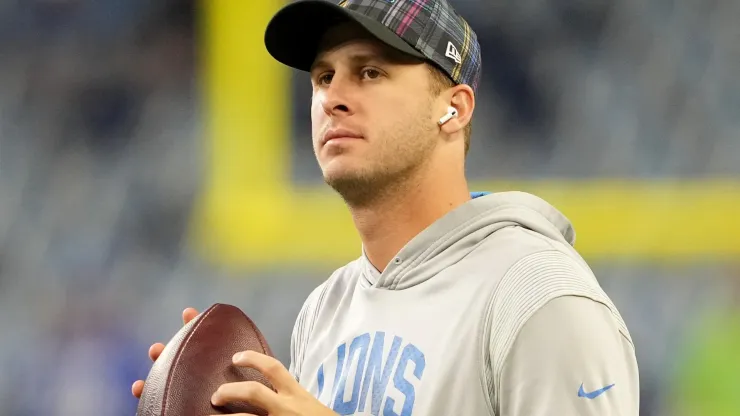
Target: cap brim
{"x": 294, "y": 34}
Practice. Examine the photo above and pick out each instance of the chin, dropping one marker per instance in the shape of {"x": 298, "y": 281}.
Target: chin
{"x": 334, "y": 173}
{"x": 341, "y": 165}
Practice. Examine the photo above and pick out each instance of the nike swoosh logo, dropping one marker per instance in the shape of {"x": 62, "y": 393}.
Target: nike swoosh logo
{"x": 594, "y": 394}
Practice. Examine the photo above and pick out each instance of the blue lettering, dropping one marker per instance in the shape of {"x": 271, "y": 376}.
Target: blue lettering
{"x": 410, "y": 353}
{"x": 370, "y": 370}
{"x": 320, "y": 379}
{"x": 374, "y": 375}
{"x": 340, "y": 366}
{"x": 359, "y": 348}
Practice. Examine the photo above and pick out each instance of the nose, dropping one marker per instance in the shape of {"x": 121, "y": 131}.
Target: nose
{"x": 336, "y": 97}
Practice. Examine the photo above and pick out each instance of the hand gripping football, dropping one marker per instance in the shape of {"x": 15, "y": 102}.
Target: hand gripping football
{"x": 197, "y": 361}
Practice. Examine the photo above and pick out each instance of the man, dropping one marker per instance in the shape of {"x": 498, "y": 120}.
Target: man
{"x": 460, "y": 304}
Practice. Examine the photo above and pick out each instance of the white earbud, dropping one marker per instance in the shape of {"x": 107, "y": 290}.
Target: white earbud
{"x": 451, "y": 112}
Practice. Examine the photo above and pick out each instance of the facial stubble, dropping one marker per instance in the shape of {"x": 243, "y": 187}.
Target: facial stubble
{"x": 393, "y": 169}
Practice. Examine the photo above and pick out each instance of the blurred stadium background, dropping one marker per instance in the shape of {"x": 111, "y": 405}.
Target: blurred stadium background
{"x": 153, "y": 157}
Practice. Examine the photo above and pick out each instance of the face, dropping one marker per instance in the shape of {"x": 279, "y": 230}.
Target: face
{"x": 372, "y": 122}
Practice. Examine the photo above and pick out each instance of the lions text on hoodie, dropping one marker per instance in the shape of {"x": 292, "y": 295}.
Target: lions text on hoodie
{"x": 488, "y": 311}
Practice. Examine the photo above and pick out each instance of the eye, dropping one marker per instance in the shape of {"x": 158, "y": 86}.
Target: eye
{"x": 370, "y": 73}
{"x": 325, "y": 78}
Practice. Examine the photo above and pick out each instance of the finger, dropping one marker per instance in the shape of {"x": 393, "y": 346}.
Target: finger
{"x": 252, "y": 392}
{"x": 137, "y": 388}
{"x": 270, "y": 367}
{"x": 188, "y": 315}
{"x": 155, "y": 351}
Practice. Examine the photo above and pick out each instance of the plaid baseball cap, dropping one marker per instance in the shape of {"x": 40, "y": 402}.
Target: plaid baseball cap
{"x": 430, "y": 30}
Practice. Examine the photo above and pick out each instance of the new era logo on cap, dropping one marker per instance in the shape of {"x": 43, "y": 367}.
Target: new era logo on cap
{"x": 452, "y": 53}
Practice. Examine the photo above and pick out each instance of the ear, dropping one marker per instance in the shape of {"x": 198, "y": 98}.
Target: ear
{"x": 462, "y": 98}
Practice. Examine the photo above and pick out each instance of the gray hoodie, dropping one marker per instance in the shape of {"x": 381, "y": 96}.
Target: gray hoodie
{"x": 488, "y": 311}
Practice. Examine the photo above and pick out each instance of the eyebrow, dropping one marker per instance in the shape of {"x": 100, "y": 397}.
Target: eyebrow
{"x": 357, "y": 59}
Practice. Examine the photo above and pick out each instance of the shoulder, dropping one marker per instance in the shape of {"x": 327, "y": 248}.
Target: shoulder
{"x": 527, "y": 270}
{"x": 535, "y": 280}
{"x": 339, "y": 281}
{"x": 336, "y": 285}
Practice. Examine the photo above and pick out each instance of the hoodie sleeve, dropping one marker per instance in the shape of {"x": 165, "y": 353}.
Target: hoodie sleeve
{"x": 570, "y": 359}
{"x": 558, "y": 345}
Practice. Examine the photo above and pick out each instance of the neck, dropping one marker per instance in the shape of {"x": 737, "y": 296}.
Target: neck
{"x": 390, "y": 222}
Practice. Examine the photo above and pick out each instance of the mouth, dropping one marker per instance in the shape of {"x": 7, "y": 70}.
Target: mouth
{"x": 335, "y": 135}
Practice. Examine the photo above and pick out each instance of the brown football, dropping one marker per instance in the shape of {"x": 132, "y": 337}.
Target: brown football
{"x": 197, "y": 360}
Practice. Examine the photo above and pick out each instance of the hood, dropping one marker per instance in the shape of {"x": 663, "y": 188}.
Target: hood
{"x": 460, "y": 231}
